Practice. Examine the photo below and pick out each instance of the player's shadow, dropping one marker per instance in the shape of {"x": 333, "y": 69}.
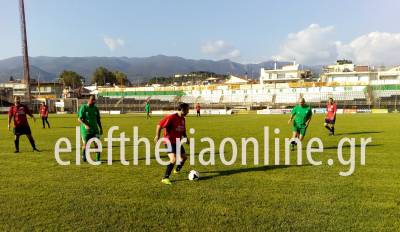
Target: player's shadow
{"x": 348, "y": 146}
{"x": 245, "y": 170}
{"x": 142, "y": 157}
{"x": 163, "y": 157}
{"x": 360, "y": 133}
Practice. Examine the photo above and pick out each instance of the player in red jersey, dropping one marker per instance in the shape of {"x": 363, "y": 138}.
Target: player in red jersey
{"x": 330, "y": 118}
{"x": 198, "y": 109}
{"x": 174, "y": 128}
{"x": 44, "y": 114}
{"x": 18, "y": 112}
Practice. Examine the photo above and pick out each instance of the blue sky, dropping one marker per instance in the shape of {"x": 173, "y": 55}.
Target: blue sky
{"x": 244, "y": 31}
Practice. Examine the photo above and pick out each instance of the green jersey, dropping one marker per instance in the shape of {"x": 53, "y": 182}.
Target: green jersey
{"x": 90, "y": 114}
{"x": 147, "y": 108}
{"x": 302, "y": 115}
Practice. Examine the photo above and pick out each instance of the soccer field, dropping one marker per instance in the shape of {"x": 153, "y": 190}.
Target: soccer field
{"x": 37, "y": 193}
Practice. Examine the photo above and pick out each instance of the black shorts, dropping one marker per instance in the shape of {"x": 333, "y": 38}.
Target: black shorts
{"x": 22, "y": 130}
{"x": 86, "y": 137}
{"x": 173, "y": 149}
{"x": 330, "y": 121}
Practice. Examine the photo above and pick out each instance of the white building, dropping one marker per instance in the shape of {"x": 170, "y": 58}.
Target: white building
{"x": 236, "y": 80}
{"x": 288, "y": 73}
{"x": 19, "y": 89}
{"x": 389, "y": 74}
{"x": 345, "y": 72}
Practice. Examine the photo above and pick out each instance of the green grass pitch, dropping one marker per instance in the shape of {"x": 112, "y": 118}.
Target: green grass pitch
{"x": 38, "y": 194}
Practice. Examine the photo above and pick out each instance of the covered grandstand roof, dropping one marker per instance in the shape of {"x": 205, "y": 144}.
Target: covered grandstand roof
{"x": 235, "y": 80}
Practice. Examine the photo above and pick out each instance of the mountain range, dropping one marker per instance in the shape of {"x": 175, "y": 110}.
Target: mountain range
{"x": 47, "y": 68}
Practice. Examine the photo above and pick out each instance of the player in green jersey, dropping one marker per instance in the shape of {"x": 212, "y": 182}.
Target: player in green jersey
{"x": 89, "y": 117}
{"x": 301, "y": 114}
{"x": 147, "y": 109}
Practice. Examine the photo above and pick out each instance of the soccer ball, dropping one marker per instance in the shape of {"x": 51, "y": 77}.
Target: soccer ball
{"x": 194, "y": 175}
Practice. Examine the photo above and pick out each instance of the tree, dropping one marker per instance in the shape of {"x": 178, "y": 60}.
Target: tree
{"x": 103, "y": 76}
{"x": 11, "y": 79}
{"x": 122, "y": 78}
{"x": 71, "y": 78}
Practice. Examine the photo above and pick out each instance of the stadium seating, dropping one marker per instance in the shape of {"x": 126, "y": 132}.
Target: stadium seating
{"x": 313, "y": 97}
{"x": 338, "y": 96}
{"x": 386, "y": 93}
{"x": 259, "y": 98}
{"x": 212, "y": 98}
{"x": 234, "y": 98}
{"x": 139, "y": 97}
{"x": 286, "y": 98}
{"x": 189, "y": 99}
{"x": 169, "y": 98}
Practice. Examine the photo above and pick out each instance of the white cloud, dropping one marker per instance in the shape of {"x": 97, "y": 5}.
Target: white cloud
{"x": 313, "y": 45}
{"x": 316, "y": 45}
{"x": 220, "y": 49}
{"x": 373, "y": 48}
{"x": 113, "y": 43}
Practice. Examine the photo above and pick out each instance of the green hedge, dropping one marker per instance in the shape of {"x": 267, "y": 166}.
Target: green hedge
{"x": 386, "y": 87}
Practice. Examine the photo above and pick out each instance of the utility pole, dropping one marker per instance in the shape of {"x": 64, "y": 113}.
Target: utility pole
{"x": 27, "y": 78}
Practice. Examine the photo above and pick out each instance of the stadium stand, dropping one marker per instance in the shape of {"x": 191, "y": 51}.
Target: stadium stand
{"x": 255, "y": 96}
{"x": 286, "y": 98}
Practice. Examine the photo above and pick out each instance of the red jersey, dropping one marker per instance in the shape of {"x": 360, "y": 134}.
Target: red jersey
{"x": 44, "y": 111}
{"x": 197, "y": 107}
{"x": 331, "y": 111}
{"x": 174, "y": 126}
{"x": 19, "y": 114}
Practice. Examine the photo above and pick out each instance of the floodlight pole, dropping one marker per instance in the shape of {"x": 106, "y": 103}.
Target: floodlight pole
{"x": 27, "y": 79}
